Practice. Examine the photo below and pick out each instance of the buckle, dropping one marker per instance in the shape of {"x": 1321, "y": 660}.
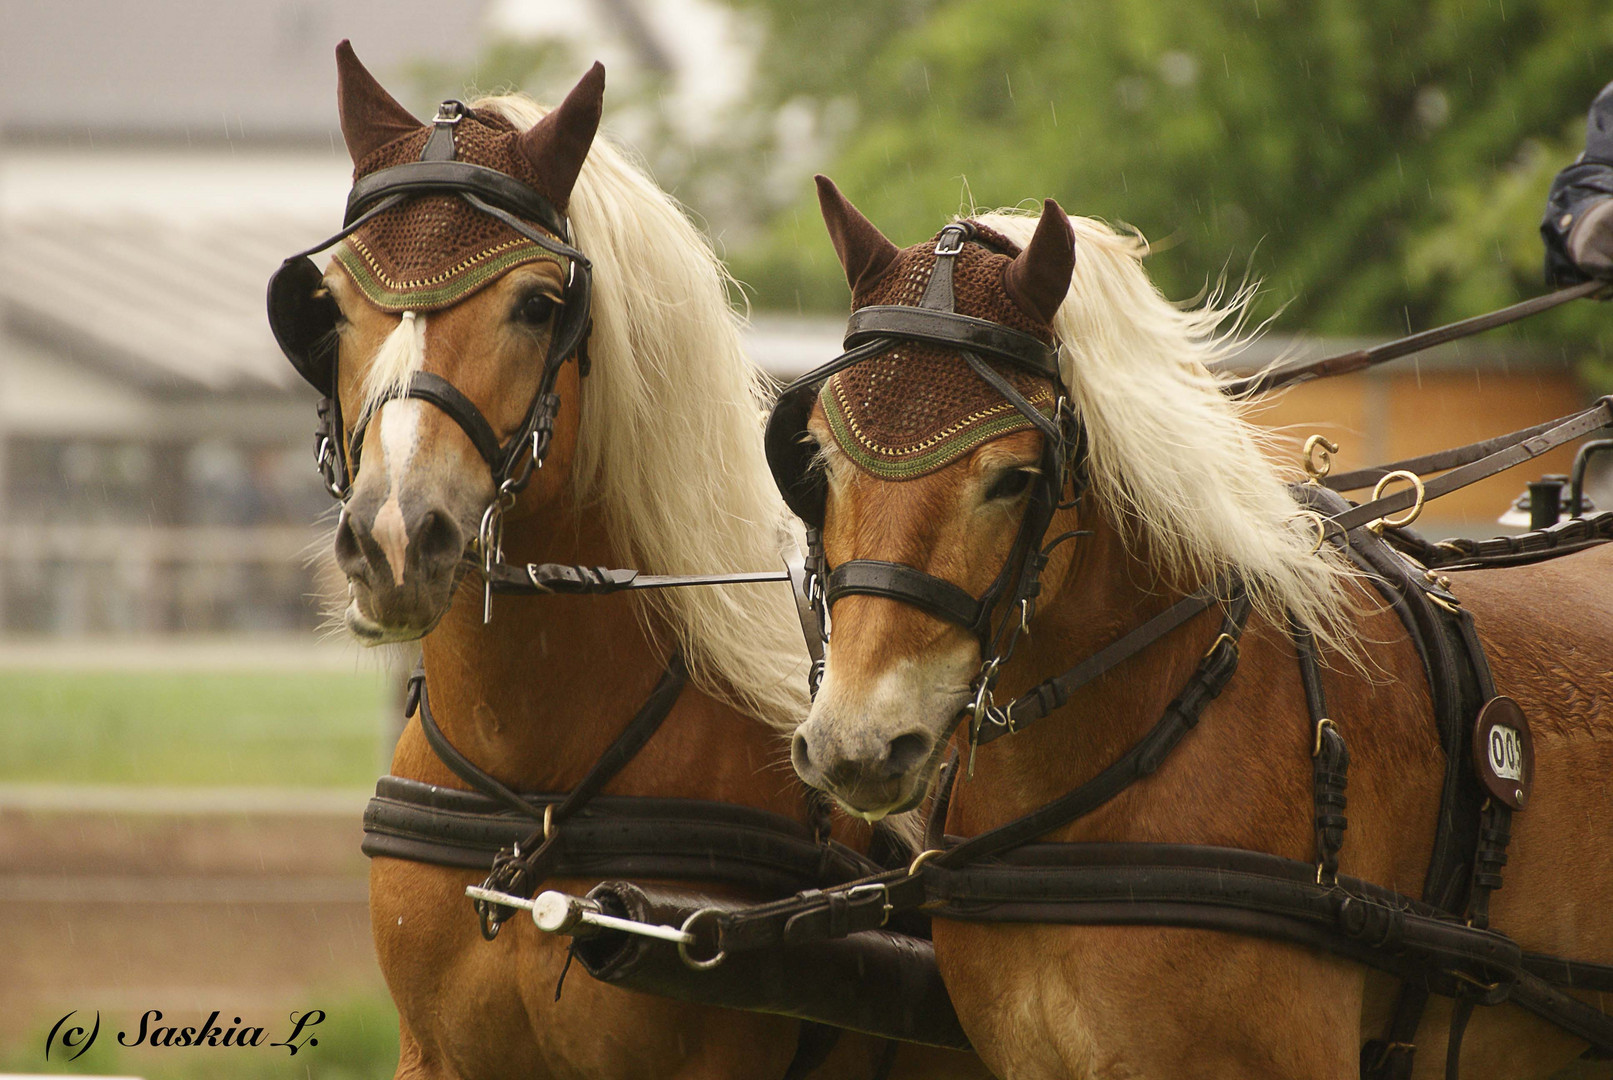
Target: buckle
{"x": 449, "y": 112}
{"x": 951, "y": 240}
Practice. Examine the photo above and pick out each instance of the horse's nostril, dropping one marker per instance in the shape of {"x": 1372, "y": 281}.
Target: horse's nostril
{"x": 800, "y": 754}
{"x": 438, "y": 539}
{"x": 906, "y": 753}
{"x": 349, "y": 554}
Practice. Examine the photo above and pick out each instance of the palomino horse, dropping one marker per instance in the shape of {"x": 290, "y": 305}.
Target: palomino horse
{"x": 1177, "y": 493}
{"x": 653, "y": 462}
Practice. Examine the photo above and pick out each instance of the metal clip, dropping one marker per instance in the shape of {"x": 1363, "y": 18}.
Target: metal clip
{"x": 449, "y": 113}
{"x": 490, "y": 539}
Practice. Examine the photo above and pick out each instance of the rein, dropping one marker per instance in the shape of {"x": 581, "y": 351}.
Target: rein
{"x": 1360, "y": 359}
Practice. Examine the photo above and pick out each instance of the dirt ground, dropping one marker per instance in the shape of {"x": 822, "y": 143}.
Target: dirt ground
{"x": 127, "y": 901}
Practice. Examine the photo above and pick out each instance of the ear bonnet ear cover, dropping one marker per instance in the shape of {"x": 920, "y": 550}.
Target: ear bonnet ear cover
{"x": 917, "y": 407}
{"x": 434, "y": 250}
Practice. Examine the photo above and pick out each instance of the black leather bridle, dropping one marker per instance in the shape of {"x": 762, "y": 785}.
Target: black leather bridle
{"x": 303, "y": 317}
{"x": 791, "y": 454}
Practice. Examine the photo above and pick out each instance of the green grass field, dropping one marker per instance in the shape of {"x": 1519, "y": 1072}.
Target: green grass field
{"x": 318, "y": 729}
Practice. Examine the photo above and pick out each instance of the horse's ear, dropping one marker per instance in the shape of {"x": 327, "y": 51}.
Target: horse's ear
{"x": 863, "y": 249}
{"x": 1040, "y": 276}
{"x": 556, "y": 146}
{"x": 371, "y": 117}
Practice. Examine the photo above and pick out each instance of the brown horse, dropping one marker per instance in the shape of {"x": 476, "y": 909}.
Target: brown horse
{"x": 653, "y": 463}
{"x": 1180, "y": 493}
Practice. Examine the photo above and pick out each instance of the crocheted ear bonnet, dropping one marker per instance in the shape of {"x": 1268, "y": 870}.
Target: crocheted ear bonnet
{"x": 435, "y": 250}
{"x": 918, "y": 408}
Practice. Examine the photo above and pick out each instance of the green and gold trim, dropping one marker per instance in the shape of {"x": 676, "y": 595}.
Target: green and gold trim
{"x": 934, "y": 451}
{"x": 442, "y": 289}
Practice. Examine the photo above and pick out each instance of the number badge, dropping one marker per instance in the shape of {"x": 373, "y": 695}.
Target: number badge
{"x": 1503, "y": 753}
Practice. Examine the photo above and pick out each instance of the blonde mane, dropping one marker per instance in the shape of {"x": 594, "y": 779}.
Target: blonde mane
{"x": 1179, "y": 463}
{"x": 670, "y": 450}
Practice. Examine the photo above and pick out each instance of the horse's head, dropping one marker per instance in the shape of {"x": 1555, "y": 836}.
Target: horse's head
{"x": 438, "y": 333}
{"x": 930, "y": 484}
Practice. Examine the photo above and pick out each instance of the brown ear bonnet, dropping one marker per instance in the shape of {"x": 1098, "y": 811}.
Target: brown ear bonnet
{"x": 916, "y": 408}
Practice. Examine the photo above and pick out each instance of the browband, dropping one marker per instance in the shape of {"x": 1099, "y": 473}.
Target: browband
{"x": 450, "y": 178}
{"x": 954, "y": 331}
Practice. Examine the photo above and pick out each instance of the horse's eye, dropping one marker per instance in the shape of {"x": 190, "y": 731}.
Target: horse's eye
{"x": 1010, "y": 485}
{"x": 536, "y": 309}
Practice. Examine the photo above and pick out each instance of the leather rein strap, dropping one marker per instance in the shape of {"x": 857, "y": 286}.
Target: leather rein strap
{"x": 1359, "y": 359}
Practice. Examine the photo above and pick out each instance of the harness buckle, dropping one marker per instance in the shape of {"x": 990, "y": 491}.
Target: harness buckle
{"x": 1223, "y": 639}
{"x": 951, "y": 240}
{"x": 449, "y": 112}
{"x": 875, "y": 888}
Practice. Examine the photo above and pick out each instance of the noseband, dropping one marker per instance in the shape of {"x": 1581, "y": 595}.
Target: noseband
{"x": 874, "y": 330}
{"x": 304, "y": 321}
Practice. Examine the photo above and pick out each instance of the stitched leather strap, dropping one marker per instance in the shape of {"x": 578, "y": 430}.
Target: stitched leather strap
{"x": 953, "y": 331}
{"x": 1145, "y": 755}
{"x": 453, "y": 177}
{"x": 895, "y": 581}
{"x": 1518, "y": 448}
{"x": 1053, "y": 693}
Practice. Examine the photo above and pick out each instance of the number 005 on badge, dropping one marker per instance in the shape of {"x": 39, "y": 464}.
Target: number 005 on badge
{"x": 1503, "y": 753}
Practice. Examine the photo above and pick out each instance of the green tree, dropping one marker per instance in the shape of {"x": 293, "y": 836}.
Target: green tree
{"x": 1377, "y": 163}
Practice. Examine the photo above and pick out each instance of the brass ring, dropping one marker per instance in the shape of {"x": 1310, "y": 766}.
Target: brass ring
{"x": 548, "y": 822}
{"x": 1320, "y": 523}
{"x": 921, "y": 858}
{"x": 1316, "y": 468}
{"x": 1416, "y": 508}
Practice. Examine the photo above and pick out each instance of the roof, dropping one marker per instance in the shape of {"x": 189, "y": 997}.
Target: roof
{"x": 199, "y": 70}
{"x": 152, "y": 265}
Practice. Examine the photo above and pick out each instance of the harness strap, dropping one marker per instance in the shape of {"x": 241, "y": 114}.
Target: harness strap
{"x": 517, "y": 873}
{"x": 1330, "y": 761}
{"x": 1435, "y": 462}
{"x": 436, "y": 390}
{"x": 1516, "y": 449}
{"x": 1180, "y": 716}
{"x": 559, "y": 579}
{"x": 1052, "y": 693}
{"x": 1412, "y": 343}
{"x": 944, "y": 327}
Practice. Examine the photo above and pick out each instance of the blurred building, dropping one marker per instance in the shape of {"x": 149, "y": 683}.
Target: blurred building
{"x": 156, "y": 163}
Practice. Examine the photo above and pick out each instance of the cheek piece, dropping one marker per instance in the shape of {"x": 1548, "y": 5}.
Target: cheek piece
{"x": 303, "y": 317}
{"x": 872, "y": 331}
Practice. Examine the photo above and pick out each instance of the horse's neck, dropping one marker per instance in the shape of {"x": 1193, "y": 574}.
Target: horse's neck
{"x": 537, "y": 695}
{"x": 1105, "y": 592}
